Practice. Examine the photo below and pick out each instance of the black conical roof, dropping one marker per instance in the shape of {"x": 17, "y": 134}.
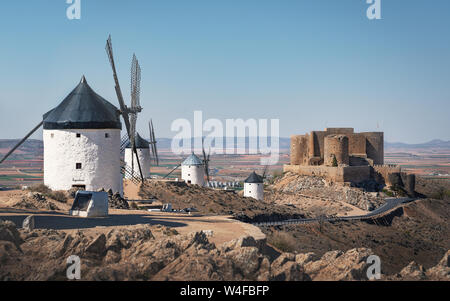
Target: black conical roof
{"x": 254, "y": 178}
{"x": 83, "y": 109}
{"x": 139, "y": 142}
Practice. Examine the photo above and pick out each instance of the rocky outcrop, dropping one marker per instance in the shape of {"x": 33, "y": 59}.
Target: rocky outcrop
{"x": 28, "y": 223}
{"x": 9, "y": 233}
{"x": 145, "y": 252}
{"x": 363, "y": 196}
{"x": 116, "y": 201}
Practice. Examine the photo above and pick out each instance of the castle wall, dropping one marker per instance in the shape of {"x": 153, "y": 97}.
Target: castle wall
{"x": 99, "y": 157}
{"x": 296, "y": 156}
{"x": 339, "y": 174}
{"x": 356, "y": 144}
{"x": 339, "y": 131}
{"x": 319, "y": 138}
{"x": 303, "y": 149}
{"x": 375, "y": 146}
{"x": 383, "y": 174}
{"x": 356, "y": 174}
{"x": 336, "y": 146}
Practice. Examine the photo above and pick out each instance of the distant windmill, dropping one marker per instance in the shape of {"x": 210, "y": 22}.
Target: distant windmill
{"x": 194, "y": 170}
{"x": 129, "y": 114}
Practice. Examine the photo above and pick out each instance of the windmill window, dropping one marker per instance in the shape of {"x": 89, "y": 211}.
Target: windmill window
{"x": 78, "y": 165}
{"x": 78, "y": 135}
{"x": 106, "y": 135}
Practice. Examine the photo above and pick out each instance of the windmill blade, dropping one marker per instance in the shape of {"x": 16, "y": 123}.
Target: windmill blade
{"x": 21, "y": 142}
{"x": 207, "y": 165}
{"x": 135, "y": 83}
{"x": 265, "y": 171}
{"x": 172, "y": 171}
{"x": 123, "y": 108}
{"x": 153, "y": 142}
{"x": 205, "y": 160}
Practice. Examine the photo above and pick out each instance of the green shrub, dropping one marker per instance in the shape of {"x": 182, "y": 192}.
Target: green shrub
{"x": 388, "y": 192}
{"x": 334, "y": 163}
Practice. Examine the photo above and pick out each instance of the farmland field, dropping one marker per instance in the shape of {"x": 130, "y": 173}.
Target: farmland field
{"x": 25, "y": 167}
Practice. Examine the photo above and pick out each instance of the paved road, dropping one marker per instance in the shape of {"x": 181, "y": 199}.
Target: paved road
{"x": 391, "y": 204}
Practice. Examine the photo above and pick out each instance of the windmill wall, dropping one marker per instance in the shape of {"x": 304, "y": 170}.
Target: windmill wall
{"x": 254, "y": 190}
{"x": 98, "y": 151}
{"x": 193, "y": 174}
{"x": 132, "y": 164}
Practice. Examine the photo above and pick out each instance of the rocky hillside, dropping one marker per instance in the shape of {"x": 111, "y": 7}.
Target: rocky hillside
{"x": 211, "y": 201}
{"x": 292, "y": 186}
{"x": 159, "y": 253}
{"x": 417, "y": 232}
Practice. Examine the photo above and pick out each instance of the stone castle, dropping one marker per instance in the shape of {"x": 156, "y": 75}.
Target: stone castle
{"x": 340, "y": 155}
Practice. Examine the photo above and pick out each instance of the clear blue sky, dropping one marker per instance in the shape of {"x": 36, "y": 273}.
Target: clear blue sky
{"x": 311, "y": 63}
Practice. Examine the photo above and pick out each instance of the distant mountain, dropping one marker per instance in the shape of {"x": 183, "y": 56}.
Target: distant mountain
{"x": 31, "y": 146}
{"x": 36, "y": 146}
{"x": 433, "y": 144}
{"x": 285, "y": 143}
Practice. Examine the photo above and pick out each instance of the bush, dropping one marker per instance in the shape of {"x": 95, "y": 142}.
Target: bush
{"x": 134, "y": 206}
{"x": 59, "y": 196}
{"x": 282, "y": 241}
{"x": 334, "y": 162}
{"x": 40, "y": 188}
{"x": 388, "y": 192}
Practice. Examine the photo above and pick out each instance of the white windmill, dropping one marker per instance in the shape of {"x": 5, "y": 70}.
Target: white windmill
{"x": 81, "y": 142}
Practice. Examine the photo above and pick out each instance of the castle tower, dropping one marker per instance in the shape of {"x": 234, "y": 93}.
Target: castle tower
{"x": 82, "y": 143}
{"x": 336, "y": 146}
{"x": 193, "y": 170}
{"x": 254, "y": 187}
{"x": 143, "y": 152}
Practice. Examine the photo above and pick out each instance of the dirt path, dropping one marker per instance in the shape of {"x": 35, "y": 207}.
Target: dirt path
{"x": 223, "y": 227}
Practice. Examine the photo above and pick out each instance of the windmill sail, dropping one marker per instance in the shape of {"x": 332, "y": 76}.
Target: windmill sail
{"x": 21, "y": 142}
{"x": 153, "y": 142}
{"x": 124, "y": 110}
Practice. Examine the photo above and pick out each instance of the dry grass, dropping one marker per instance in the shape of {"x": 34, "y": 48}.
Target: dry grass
{"x": 60, "y": 196}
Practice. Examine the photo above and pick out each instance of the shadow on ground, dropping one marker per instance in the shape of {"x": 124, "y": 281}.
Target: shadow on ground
{"x": 60, "y": 221}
